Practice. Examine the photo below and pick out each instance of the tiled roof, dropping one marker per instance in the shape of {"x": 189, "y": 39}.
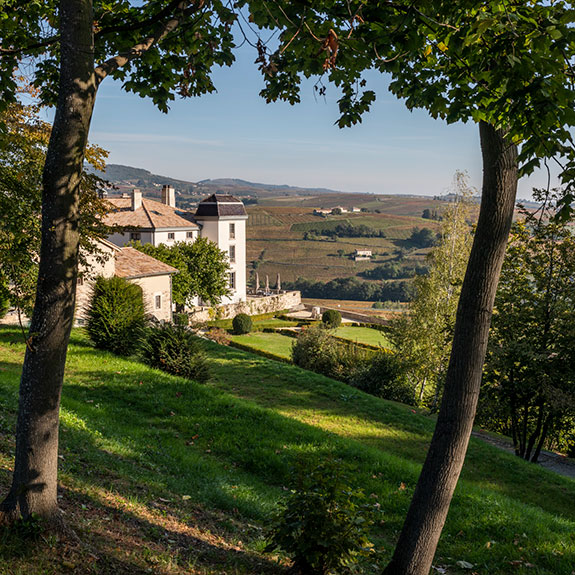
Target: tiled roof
{"x": 220, "y": 205}
{"x": 130, "y": 263}
{"x": 151, "y": 215}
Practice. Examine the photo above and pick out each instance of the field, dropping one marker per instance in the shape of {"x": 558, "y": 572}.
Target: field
{"x": 161, "y": 475}
{"x": 363, "y": 307}
{"x": 276, "y": 237}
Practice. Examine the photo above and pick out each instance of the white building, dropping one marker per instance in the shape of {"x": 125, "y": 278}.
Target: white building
{"x": 223, "y": 220}
{"x": 152, "y": 275}
{"x": 219, "y": 218}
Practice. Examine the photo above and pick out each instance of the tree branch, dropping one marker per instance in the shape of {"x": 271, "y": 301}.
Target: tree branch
{"x": 123, "y": 58}
{"x": 35, "y": 46}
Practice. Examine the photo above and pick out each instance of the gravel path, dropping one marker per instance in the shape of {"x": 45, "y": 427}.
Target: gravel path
{"x": 553, "y": 461}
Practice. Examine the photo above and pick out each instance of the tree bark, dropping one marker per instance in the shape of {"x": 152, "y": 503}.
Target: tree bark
{"x": 428, "y": 510}
{"x": 34, "y": 482}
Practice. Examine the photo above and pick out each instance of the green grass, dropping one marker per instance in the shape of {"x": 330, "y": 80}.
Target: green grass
{"x": 364, "y": 335}
{"x": 275, "y": 343}
{"x": 163, "y": 475}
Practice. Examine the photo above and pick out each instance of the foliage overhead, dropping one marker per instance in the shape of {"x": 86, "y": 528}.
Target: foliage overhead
{"x": 510, "y": 65}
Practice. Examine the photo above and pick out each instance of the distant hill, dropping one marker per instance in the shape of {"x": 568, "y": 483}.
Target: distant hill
{"x": 120, "y": 176}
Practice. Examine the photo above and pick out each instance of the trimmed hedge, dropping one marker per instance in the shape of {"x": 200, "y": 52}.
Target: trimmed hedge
{"x": 242, "y": 324}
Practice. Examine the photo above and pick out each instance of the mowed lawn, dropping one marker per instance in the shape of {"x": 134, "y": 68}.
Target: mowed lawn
{"x": 364, "y": 335}
{"x": 162, "y": 475}
{"x": 275, "y": 343}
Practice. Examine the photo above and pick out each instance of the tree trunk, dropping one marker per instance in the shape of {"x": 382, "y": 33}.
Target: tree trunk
{"x": 426, "y": 516}
{"x": 34, "y": 483}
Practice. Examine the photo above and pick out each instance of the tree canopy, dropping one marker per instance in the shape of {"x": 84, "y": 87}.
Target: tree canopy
{"x": 203, "y": 269}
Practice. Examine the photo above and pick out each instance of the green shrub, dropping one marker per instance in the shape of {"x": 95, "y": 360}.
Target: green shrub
{"x": 242, "y": 324}
{"x": 182, "y": 319}
{"x": 323, "y": 525}
{"x": 316, "y": 350}
{"x": 116, "y": 316}
{"x": 331, "y": 318}
{"x": 176, "y": 350}
{"x": 385, "y": 377}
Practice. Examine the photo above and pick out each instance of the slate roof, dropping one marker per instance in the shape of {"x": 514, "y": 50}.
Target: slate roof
{"x": 151, "y": 215}
{"x": 130, "y": 263}
{"x": 221, "y": 205}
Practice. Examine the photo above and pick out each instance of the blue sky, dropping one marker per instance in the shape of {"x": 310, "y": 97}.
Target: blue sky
{"x": 235, "y": 134}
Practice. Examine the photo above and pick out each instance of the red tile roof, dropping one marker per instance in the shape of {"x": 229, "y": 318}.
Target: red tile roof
{"x": 151, "y": 215}
{"x": 130, "y": 263}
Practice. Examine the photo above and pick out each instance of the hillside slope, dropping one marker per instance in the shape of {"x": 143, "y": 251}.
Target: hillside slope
{"x": 166, "y": 476}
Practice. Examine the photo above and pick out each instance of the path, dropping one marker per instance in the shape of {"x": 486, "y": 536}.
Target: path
{"x": 555, "y": 462}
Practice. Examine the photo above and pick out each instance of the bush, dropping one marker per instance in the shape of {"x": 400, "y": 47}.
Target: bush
{"x": 242, "y": 324}
{"x": 176, "y": 350}
{"x": 316, "y": 350}
{"x": 116, "y": 316}
{"x": 384, "y": 377}
{"x": 219, "y": 335}
{"x": 331, "y": 318}
{"x": 323, "y": 525}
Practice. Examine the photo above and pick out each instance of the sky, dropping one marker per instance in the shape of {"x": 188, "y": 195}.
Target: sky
{"x": 235, "y": 134}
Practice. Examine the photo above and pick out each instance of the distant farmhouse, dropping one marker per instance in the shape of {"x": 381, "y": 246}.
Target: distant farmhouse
{"x": 360, "y": 255}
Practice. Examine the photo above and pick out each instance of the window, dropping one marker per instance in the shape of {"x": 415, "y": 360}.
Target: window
{"x": 233, "y": 280}
{"x": 171, "y": 236}
{"x": 232, "y": 254}
{"x": 190, "y": 235}
{"x": 135, "y": 236}
{"x": 80, "y": 280}
{"x": 158, "y": 301}
{"x": 232, "y": 231}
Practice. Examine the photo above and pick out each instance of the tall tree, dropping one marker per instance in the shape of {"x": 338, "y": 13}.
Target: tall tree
{"x": 506, "y": 67}
{"x": 529, "y": 380}
{"x": 424, "y": 336}
{"x": 158, "y": 49}
{"x": 23, "y": 142}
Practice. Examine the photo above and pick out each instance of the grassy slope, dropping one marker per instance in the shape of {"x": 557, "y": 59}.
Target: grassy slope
{"x": 162, "y": 475}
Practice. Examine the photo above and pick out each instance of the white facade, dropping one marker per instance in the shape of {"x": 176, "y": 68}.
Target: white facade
{"x": 229, "y": 233}
{"x": 219, "y": 218}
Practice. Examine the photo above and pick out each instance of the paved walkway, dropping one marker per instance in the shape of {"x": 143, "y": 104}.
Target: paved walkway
{"x": 555, "y": 462}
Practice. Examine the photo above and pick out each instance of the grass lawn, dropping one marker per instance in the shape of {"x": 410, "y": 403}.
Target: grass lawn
{"x": 161, "y": 475}
{"x": 258, "y": 323}
{"x": 275, "y": 343}
{"x": 365, "y": 335}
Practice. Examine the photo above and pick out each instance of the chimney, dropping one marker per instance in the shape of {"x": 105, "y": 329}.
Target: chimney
{"x": 136, "y": 199}
{"x": 168, "y": 196}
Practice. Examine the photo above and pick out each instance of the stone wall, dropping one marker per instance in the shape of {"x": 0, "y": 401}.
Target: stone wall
{"x": 252, "y": 306}
{"x": 359, "y": 317}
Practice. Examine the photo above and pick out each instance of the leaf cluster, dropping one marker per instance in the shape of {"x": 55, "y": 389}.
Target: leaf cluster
{"x": 202, "y": 267}
{"x": 323, "y": 525}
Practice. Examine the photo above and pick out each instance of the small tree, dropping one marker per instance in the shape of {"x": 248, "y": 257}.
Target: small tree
{"x": 116, "y": 316}
{"x": 203, "y": 269}
{"x": 242, "y": 323}
{"x": 424, "y": 336}
{"x": 331, "y": 318}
